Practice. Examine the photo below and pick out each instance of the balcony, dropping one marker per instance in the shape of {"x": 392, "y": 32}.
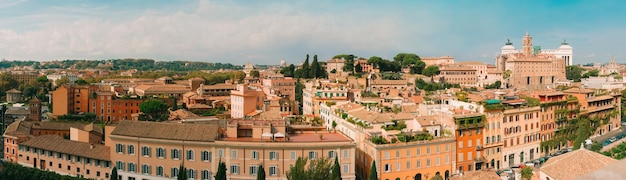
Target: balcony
{"x": 470, "y": 126}
{"x": 479, "y": 147}
{"x": 479, "y": 159}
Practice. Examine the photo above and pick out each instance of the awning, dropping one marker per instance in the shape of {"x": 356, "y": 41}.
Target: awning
{"x": 279, "y": 135}
{"x": 267, "y": 134}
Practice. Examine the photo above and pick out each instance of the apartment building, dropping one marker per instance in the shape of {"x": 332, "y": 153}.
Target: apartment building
{"x": 469, "y": 139}
{"x": 410, "y": 153}
{"x": 554, "y": 115}
{"x": 457, "y": 74}
{"x": 493, "y": 135}
{"x": 315, "y": 94}
{"x": 284, "y": 87}
{"x": 605, "y": 107}
{"x": 521, "y": 138}
{"x": 246, "y": 100}
{"x": 108, "y": 107}
{"x": 73, "y": 158}
{"x": 70, "y": 99}
{"x": 244, "y": 146}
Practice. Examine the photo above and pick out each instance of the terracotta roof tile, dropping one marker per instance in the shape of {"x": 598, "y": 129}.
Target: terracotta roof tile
{"x": 575, "y": 164}
{"x": 58, "y": 144}
{"x": 172, "y": 131}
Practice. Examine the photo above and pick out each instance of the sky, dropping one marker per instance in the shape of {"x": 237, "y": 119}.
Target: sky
{"x": 266, "y": 32}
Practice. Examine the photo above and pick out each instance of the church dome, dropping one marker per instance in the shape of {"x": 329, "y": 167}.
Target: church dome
{"x": 508, "y": 45}
{"x": 565, "y": 45}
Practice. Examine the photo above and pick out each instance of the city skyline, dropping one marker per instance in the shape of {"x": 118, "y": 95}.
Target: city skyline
{"x": 267, "y": 32}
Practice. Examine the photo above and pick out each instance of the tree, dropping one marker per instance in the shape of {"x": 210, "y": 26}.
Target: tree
{"x": 315, "y": 66}
{"x": 334, "y": 124}
{"x": 114, "y": 175}
{"x": 436, "y": 177}
{"x": 42, "y": 79}
{"x": 297, "y": 171}
{"x": 299, "y": 87}
{"x": 574, "y": 73}
{"x": 527, "y": 172}
{"x": 590, "y": 73}
{"x": 495, "y": 85}
{"x": 431, "y": 71}
{"x": 62, "y": 81}
{"x": 336, "y": 172}
{"x": 506, "y": 75}
{"x": 373, "y": 174}
{"x": 155, "y": 110}
{"x": 410, "y": 60}
{"x": 288, "y": 71}
{"x": 358, "y": 68}
{"x": 349, "y": 64}
{"x": 221, "y": 171}
{"x": 305, "y": 68}
{"x": 261, "y": 174}
{"x": 255, "y": 73}
{"x": 81, "y": 82}
{"x": 182, "y": 173}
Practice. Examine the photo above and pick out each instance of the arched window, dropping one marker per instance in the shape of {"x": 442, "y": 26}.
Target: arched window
{"x": 159, "y": 171}
{"x": 206, "y": 175}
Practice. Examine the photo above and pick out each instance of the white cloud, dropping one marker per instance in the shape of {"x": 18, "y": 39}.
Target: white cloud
{"x": 213, "y": 32}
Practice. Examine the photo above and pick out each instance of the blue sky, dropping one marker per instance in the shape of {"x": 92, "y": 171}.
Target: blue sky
{"x": 265, "y": 32}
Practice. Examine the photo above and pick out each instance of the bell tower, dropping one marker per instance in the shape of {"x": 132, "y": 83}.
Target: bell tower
{"x": 34, "y": 106}
{"x": 527, "y": 45}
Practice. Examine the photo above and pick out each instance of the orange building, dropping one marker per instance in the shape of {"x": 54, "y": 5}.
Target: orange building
{"x": 410, "y": 160}
{"x": 605, "y": 108}
{"x": 246, "y": 101}
{"x": 70, "y": 99}
{"x": 469, "y": 141}
{"x": 106, "y": 106}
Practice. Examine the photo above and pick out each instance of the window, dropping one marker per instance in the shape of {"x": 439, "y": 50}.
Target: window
{"x": 206, "y": 175}
{"x": 59, "y": 155}
{"x": 119, "y": 148}
{"x": 273, "y": 155}
{"x": 273, "y": 170}
{"x": 346, "y": 168}
{"x": 145, "y": 151}
{"x": 190, "y": 155}
{"x": 131, "y": 167}
{"x": 145, "y": 169}
{"x": 346, "y": 153}
{"x": 397, "y": 153}
{"x": 160, "y": 153}
{"x": 398, "y": 166}
{"x": 427, "y": 150}
{"x": 78, "y": 158}
{"x": 220, "y": 153}
{"x": 255, "y": 155}
{"x": 312, "y": 155}
{"x": 174, "y": 172}
{"x": 206, "y": 156}
{"x": 253, "y": 169}
{"x": 331, "y": 154}
{"x": 460, "y": 157}
{"x": 418, "y": 164}
{"x": 387, "y": 168}
{"x": 131, "y": 149}
{"x": 159, "y": 171}
{"x": 234, "y": 154}
{"x": 234, "y": 169}
{"x": 427, "y": 162}
{"x": 87, "y": 161}
{"x": 293, "y": 155}
{"x": 175, "y": 154}
{"x": 417, "y": 151}
{"x": 387, "y": 155}
{"x": 191, "y": 174}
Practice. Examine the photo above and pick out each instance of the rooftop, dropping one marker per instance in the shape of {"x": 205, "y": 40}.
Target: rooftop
{"x": 58, "y": 144}
{"x": 299, "y": 138}
{"x": 575, "y": 164}
{"x": 170, "y": 131}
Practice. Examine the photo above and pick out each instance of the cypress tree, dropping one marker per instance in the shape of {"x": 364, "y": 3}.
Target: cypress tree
{"x": 336, "y": 173}
{"x": 114, "y": 173}
{"x": 373, "y": 173}
{"x": 261, "y": 174}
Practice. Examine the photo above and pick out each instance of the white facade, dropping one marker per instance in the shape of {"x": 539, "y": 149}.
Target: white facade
{"x": 565, "y": 51}
{"x": 608, "y": 83}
